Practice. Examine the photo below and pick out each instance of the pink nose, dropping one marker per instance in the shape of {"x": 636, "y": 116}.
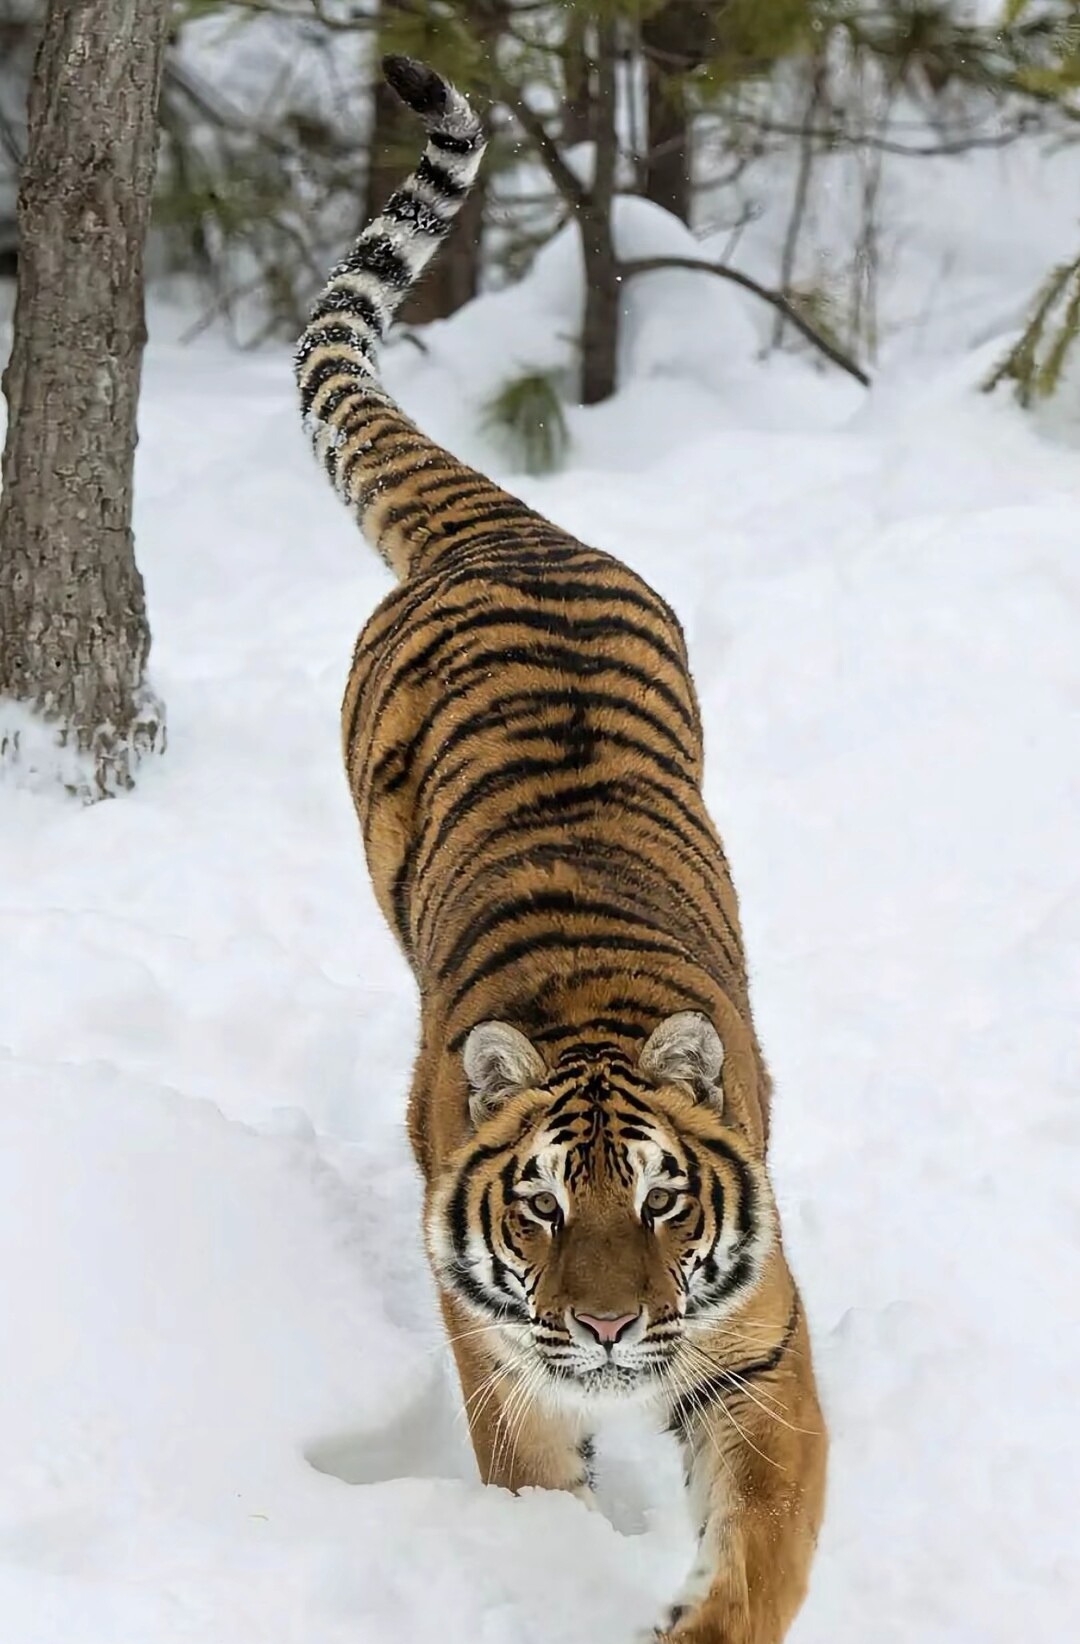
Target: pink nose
{"x": 607, "y": 1327}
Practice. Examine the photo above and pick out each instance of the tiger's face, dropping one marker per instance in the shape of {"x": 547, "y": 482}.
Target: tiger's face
{"x": 602, "y": 1214}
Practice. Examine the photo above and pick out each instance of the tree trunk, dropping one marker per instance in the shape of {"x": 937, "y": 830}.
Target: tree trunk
{"x": 600, "y": 336}
{"x": 74, "y": 638}
{"x": 667, "y": 157}
{"x": 19, "y": 27}
{"x": 675, "y": 40}
{"x": 577, "y": 92}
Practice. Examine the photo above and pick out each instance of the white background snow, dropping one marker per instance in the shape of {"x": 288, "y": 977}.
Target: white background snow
{"x": 226, "y": 1416}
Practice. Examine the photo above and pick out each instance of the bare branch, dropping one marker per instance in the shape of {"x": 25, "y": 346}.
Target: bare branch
{"x": 531, "y": 123}
{"x": 835, "y": 136}
{"x": 652, "y": 265}
{"x": 313, "y": 12}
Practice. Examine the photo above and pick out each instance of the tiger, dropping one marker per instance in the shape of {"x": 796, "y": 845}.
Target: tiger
{"x": 589, "y": 1103}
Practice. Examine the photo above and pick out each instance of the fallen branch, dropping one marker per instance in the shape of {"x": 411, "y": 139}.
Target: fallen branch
{"x": 652, "y": 265}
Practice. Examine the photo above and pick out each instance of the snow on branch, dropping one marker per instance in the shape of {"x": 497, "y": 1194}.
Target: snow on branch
{"x": 776, "y": 299}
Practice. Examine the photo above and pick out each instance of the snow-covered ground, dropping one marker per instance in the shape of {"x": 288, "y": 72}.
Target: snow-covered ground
{"x": 226, "y": 1416}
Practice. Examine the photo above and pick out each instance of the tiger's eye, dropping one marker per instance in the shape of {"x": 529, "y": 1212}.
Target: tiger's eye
{"x": 659, "y": 1199}
{"x": 545, "y": 1204}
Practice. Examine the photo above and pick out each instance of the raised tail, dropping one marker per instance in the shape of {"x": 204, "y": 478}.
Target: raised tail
{"x": 378, "y": 462}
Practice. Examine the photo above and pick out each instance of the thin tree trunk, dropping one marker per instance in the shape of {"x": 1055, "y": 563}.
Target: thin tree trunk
{"x": 592, "y": 208}
{"x": 600, "y": 331}
{"x": 577, "y": 91}
{"x": 667, "y": 141}
{"x": 19, "y": 26}
{"x": 675, "y": 40}
{"x": 667, "y": 158}
{"x": 74, "y": 637}
{"x": 802, "y": 192}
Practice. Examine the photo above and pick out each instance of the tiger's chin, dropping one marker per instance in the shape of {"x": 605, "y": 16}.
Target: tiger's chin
{"x": 609, "y": 1382}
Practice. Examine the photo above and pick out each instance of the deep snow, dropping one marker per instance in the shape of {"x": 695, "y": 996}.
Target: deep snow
{"x": 225, "y": 1412}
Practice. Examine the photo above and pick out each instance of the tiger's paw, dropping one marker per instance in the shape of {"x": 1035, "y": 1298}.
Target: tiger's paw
{"x": 662, "y": 1632}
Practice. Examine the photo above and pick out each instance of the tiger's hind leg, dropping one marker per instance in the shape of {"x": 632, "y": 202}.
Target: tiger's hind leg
{"x": 519, "y": 1440}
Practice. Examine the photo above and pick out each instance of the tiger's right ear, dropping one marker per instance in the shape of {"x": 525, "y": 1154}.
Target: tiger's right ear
{"x": 499, "y": 1062}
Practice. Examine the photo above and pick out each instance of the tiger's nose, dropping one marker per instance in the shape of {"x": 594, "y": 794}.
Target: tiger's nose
{"x": 607, "y": 1327}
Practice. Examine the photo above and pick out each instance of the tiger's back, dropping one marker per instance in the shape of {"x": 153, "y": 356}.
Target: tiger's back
{"x": 524, "y": 749}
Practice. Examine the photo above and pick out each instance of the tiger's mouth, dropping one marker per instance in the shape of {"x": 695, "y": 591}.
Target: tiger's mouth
{"x": 638, "y": 1370}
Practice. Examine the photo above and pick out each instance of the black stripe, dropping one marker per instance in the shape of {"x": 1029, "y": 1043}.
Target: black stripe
{"x": 498, "y": 510}
{"x": 367, "y": 457}
{"x": 412, "y": 212}
{"x": 551, "y": 624}
{"x": 567, "y": 758}
{"x": 476, "y": 568}
{"x": 540, "y": 903}
{"x": 450, "y": 486}
{"x": 436, "y": 176}
{"x": 485, "y": 1219}
{"x": 716, "y": 1201}
{"x": 715, "y": 1290}
{"x": 562, "y": 802}
{"x": 352, "y": 389}
{"x": 603, "y": 589}
{"x": 550, "y": 940}
{"x": 539, "y": 702}
{"x": 453, "y": 144}
{"x": 322, "y": 373}
{"x": 333, "y": 335}
{"x": 534, "y": 1013}
{"x": 747, "y": 1189}
{"x": 341, "y": 299}
{"x": 547, "y": 656}
{"x": 377, "y": 255}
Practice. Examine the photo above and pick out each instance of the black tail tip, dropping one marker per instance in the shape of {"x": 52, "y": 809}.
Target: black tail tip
{"x": 418, "y": 86}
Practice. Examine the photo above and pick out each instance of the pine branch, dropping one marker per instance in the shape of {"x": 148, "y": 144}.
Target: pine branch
{"x": 652, "y": 265}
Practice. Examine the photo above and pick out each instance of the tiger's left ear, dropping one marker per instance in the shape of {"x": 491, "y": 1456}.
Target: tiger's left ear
{"x": 686, "y": 1050}
{"x": 499, "y": 1062}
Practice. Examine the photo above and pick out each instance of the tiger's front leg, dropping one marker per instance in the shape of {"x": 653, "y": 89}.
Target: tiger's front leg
{"x": 755, "y": 1446}
{"x": 518, "y": 1440}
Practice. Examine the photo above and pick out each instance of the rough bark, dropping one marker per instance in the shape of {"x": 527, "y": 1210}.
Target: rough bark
{"x": 74, "y": 637}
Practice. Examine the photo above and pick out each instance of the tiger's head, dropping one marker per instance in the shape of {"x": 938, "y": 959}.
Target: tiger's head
{"x": 602, "y": 1214}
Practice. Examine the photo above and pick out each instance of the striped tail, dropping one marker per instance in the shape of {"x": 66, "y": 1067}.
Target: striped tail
{"x": 371, "y": 451}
